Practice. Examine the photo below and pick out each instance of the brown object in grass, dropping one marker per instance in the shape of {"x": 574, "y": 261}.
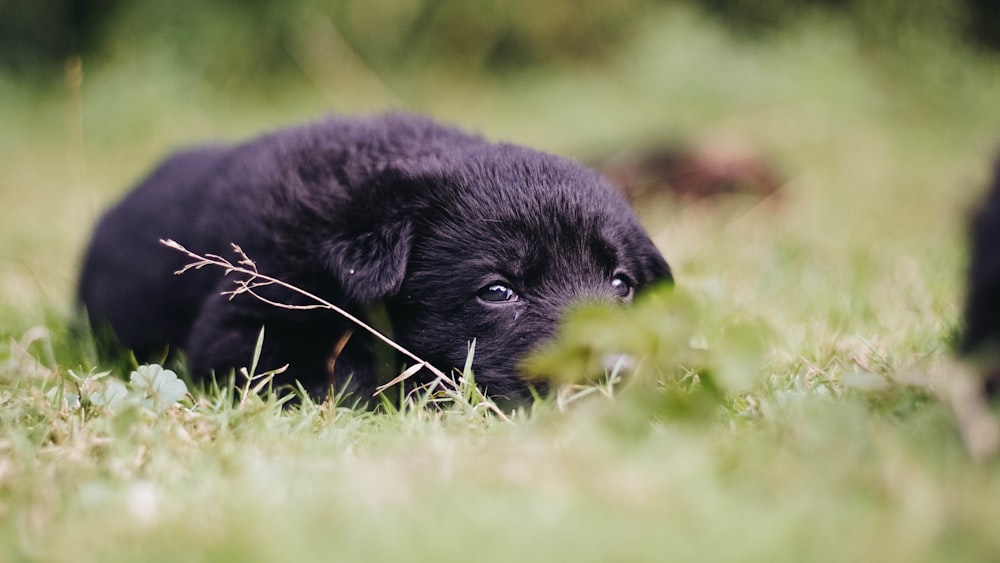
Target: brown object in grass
{"x": 703, "y": 170}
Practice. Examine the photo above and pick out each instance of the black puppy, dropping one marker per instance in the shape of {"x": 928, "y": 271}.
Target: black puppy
{"x": 981, "y": 334}
{"x": 460, "y": 238}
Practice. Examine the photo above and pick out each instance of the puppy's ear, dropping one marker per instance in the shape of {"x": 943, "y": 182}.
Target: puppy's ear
{"x": 371, "y": 264}
{"x": 659, "y": 269}
{"x": 369, "y": 253}
{"x": 653, "y": 265}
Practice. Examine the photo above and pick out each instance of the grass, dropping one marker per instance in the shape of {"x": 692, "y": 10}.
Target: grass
{"x": 837, "y": 447}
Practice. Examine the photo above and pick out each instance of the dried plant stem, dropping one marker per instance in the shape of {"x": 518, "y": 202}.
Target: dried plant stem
{"x": 255, "y": 279}
{"x": 959, "y": 385}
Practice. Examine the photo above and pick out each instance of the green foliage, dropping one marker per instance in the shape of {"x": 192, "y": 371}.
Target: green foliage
{"x": 217, "y": 478}
{"x": 46, "y": 32}
{"x": 248, "y": 38}
{"x": 230, "y": 42}
{"x": 880, "y": 21}
{"x": 684, "y": 352}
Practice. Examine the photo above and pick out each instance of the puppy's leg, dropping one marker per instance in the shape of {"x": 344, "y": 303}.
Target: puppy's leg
{"x": 317, "y": 346}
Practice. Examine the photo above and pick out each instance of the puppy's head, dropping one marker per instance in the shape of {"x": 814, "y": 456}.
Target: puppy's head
{"x": 493, "y": 244}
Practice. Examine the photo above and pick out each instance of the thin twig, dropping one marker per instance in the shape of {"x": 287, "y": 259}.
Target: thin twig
{"x": 249, "y": 268}
{"x": 961, "y": 387}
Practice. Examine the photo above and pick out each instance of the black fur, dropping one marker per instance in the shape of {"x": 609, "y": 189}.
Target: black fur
{"x": 395, "y": 209}
{"x": 981, "y": 334}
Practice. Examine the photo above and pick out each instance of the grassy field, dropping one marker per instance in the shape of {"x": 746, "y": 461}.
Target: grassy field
{"x": 834, "y": 444}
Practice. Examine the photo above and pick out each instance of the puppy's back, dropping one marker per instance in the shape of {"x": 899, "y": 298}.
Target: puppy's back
{"x": 127, "y": 278}
{"x": 208, "y": 197}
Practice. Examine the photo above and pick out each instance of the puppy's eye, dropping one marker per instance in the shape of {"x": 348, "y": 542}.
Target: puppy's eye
{"x": 622, "y": 286}
{"x": 497, "y": 293}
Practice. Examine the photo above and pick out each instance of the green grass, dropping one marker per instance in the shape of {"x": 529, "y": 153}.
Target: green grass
{"x": 835, "y": 449}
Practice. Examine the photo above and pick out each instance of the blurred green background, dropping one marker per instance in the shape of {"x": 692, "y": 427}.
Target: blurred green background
{"x": 236, "y": 44}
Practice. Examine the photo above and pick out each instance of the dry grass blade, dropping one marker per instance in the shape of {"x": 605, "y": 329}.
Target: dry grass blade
{"x": 255, "y": 279}
{"x": 407, "y": 373}
{"x": 960, "y": 386}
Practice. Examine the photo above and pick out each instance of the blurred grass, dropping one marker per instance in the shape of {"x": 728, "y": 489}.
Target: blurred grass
{"x": 856, "y": 268}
